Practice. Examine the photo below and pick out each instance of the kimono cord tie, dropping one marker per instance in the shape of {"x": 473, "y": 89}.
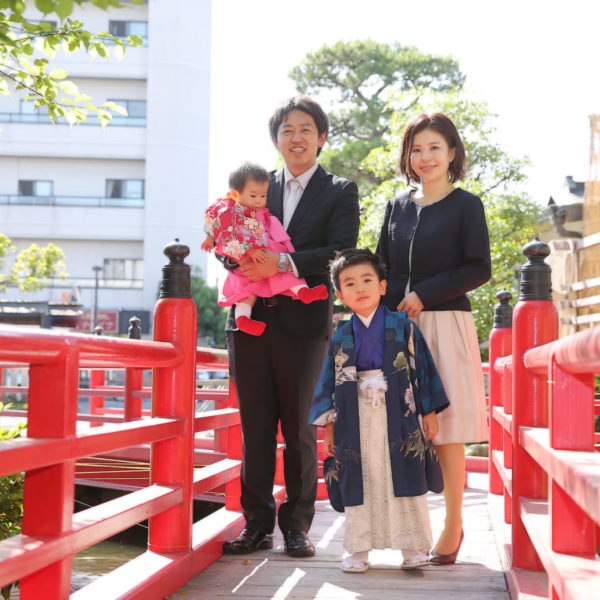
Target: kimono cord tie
{"x": 373, "y": 387}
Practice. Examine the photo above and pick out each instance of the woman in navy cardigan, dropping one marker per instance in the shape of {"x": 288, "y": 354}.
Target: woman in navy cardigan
{"x": 435, "y": 243}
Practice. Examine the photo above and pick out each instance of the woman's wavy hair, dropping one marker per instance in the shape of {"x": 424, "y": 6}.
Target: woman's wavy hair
{"x": 444, "y": 126}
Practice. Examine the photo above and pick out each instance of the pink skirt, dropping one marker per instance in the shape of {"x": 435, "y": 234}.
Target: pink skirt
{"x": 452, "y": 340}
{"x": 237, "y": 286}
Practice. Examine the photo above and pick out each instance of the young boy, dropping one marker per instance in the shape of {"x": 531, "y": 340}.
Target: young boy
{"x": 378, "y": 395}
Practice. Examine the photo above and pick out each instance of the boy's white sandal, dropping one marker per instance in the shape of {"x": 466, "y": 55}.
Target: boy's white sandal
{"x": 354, "y": 565}
{"x": 421, "y": 560}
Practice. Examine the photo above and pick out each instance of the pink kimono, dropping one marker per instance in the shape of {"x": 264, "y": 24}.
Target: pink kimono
{"x": 237, "y": 229}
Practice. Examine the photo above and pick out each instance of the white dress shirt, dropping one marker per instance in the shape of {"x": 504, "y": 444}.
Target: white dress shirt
{"x": 292, "y": 192}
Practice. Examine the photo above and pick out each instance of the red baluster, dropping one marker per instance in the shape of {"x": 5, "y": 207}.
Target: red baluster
{"x": 49, "y": 491}
{"x": 571, "y": 428}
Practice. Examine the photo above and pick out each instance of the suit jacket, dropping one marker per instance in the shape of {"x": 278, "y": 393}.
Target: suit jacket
{"x": 325, "y": 220}
{"x": 413, "y": 388}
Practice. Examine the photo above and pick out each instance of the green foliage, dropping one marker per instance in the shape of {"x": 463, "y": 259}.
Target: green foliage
{"x": 27, "y": 47}
{"x": 211, "y": 316}
{"x": 11, "y": 495}
{"x": 356, "y": 79}
{"x": 494, "y": 175}
{"x": 31, "y": 266}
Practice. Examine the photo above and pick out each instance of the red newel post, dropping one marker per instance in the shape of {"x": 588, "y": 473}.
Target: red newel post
{"x": 133, "y": 377}
{"x": 535, "y": 322}
{"x": 500, "y": 345}
{"x": 49, "y": 491}
{"x": 173, "y": 397}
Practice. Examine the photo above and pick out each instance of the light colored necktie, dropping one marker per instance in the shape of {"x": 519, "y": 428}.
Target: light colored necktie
{"x": 291, "y": 202}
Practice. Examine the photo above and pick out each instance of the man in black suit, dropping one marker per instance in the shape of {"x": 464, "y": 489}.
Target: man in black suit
{"x": 275, "y": 373}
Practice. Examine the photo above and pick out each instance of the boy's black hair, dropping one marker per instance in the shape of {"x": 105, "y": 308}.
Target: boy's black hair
{"x": 355, "y": 256}
{"x": 239, "y": 177}
{"x": 304, "y": 104}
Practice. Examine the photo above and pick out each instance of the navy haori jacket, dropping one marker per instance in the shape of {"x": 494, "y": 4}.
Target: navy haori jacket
{"x": 413, "y": 388}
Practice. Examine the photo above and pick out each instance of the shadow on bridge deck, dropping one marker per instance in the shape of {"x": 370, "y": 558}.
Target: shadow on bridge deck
{"x": 271, "y": 574}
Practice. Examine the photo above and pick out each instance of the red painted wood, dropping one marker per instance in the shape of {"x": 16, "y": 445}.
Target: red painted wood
{"x": 23, "y": 454}
{"x": 49, "y": 490}
{"x": 133, "y": 401}
{"x": 233, "y": 489}
{"x": 535, "y": 322}
{"x": 210, "y": 477}
{"x": 571, "y": 409}
{"x": 500, "y": 345}
{"x": 25, "y": 344}
{"x": 217, "y": 419}
{"x": 97, "y": 379}
{"x": 173, "y": 396}
{"x": 576, "y": 472}
{"x": 573, "y": 577}
{"x": 477, "y": 464}
{"x": 26, "y": 554}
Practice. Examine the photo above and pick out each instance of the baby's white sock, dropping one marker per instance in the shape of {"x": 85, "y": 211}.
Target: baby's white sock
{"x": 242, "y": 310}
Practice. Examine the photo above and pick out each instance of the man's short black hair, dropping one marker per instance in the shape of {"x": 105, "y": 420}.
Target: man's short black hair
{"x": 239, "y": 177}
{"x": 305, "y": 104}
{"x": 355, "y": 256}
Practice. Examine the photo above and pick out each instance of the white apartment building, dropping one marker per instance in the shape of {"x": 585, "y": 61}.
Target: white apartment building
{"x": 114, "y": 198}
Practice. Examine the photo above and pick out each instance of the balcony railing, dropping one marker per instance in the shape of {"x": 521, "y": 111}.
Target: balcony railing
{"x": 73, "y": 201}
{"x": 43, "y": 118}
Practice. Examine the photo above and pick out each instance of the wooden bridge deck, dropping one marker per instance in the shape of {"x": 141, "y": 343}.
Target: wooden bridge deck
{"x": 271, "y": 574}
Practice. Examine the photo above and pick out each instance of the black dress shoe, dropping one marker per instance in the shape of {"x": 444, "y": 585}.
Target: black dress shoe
{"x": 248, "y": 541}
{"x": 297, "y": 544}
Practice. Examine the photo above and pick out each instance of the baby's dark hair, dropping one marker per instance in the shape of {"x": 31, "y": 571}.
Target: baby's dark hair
{"x": 239, "y": 177}
{"x": 355, "y": 256}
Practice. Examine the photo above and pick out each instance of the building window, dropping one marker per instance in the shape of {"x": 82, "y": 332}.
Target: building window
{"x": 29, "y": 113}
{"x": 123, "y": 268}
{"x": 135, "y": 108}
{"x": 125, "y": 188}
{"x": 136, "y": 112}
{"x": 31, "y": 187}
{"x": 122, "y": 29}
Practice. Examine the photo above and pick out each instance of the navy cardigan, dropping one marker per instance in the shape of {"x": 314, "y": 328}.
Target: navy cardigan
{"x": 450, "y": 254}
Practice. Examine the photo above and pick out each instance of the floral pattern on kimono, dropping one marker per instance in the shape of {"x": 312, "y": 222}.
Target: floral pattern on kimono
{"x": 414, "y": 389}
{"x": 235, "y": 228}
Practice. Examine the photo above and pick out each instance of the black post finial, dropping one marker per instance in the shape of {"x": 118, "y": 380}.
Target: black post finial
{"x": 536, "y": 275}
{"x": 503, "y": 311}
{"x": 176, "y": 280}
{"x": 135, "y": 331}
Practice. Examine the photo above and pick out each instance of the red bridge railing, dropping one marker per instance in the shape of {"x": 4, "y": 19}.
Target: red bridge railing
{"x": 177, "y": 548}
{"x": 542, "y": 443}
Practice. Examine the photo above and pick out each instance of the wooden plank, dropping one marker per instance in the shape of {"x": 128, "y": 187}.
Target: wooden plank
{"x": 589, "y": 301}
{"x": 578, "y": 286}
{"x": 273, "y": 575}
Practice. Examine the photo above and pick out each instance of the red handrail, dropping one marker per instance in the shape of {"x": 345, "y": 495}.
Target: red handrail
{"x": 542, "y": 456}
{"x": 178, "y": 549}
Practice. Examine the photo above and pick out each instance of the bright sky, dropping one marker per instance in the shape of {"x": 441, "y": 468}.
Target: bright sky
{"x": 535, "y": 62}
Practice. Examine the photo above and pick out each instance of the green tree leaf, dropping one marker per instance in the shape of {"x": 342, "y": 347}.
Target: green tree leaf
{"x": 58, "y": 74}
